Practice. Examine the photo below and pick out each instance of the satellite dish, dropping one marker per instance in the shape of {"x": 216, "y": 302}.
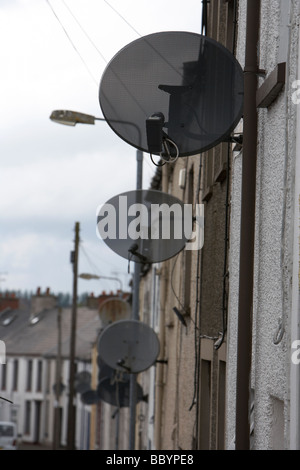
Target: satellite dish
{"x": 90, "y": 397}
{"x": 116, "y": 392}
{"x": 105, "y": 371}
{"x": 145, "y": 226}
{"x": 113, "y": 385}
{"x": 128, "y": 346}
{"x": 114, "y": 309}
{"x": 61, "y": 388}
{"x": 82, "y": 381}
{"x": 176, "y": 92}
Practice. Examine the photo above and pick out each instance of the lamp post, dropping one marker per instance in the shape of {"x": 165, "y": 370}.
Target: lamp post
{"x": 71, "y": 118}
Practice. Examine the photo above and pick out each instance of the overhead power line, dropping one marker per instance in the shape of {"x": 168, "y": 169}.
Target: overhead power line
{"x": 84, "y": 32}
{"x": 73, "y": 45}
{"x": 124, "y": 19}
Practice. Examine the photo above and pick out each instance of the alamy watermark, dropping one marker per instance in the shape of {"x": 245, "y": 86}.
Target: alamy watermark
{"x": 296, "y": 93}
{"x": 158, "y": 221}
{"x": 296, "y": 354}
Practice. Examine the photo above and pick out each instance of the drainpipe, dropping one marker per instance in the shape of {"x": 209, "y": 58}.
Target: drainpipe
{"x": 295, "y": 308}
{"x": 244, "y": 347}
{"x": 160, "y": 366}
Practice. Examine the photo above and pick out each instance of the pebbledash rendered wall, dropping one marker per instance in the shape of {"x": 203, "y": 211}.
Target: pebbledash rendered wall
{"x": 274, "y": 377}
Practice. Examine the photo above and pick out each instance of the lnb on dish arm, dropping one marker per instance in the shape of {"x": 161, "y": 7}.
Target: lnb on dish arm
{"x": 154, "y": 131}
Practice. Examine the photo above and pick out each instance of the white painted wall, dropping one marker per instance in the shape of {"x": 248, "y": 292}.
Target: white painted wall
{"x": 16, "y": 412}
{"x": 275, "y": 217}
{"x": 295, "y": 311}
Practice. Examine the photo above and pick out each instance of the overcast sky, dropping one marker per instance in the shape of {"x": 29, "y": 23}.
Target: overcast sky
{"x": 53, "y": 54}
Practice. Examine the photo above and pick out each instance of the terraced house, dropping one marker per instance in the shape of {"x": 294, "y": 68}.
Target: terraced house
{"x": 36, "y": 333}
{"x": 228, "y": 315}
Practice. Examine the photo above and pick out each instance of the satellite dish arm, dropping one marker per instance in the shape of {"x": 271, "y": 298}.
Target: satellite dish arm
{"x": 121, "y": 363}
{"x": 133, "y": 251}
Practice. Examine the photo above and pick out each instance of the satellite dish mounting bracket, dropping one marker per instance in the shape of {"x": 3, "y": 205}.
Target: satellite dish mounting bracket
{"x": 121, "y": 363}
{"x": 134, "y": 252}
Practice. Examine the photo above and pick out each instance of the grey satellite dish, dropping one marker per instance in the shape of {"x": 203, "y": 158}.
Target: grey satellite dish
{"x": 105, "y": 371}
{"x": 61, "y": 388}
{"x": 116, "y": 393}
{"x": 145, "y": 226}
{"x": 128, "y": 346}
{"x": 82, "y": 381}
{"x": 90, "y": 397}
{"x": 172, "y": 93}
{"x": 114, "y": 309}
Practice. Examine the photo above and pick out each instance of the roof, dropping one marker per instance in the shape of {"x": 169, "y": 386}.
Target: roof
{"x": 22, "y": 336}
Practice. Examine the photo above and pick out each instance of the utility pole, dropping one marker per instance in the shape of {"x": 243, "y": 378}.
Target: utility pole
{"x": 57, "y": 409}
{"x": 71, "y": 407}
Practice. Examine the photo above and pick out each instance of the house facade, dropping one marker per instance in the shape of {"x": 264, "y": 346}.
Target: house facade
{"x": 194, "y": 300}
{"x": 37, "y": 350}
{"x": 189, "y": 294}
{"x": 275, "y": 323}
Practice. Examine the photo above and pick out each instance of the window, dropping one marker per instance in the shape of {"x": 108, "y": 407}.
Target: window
{"x": 48, "y": 376}
{"x": 15, "y": 375}
{"x": 29, "y": 375}
{"x": 14, "y": 409}
{"x": 6, "y": 430}
{"x": 39, "y": 376}
{"x": 3, "y": 376}
{"x": 47, "y": 415}
{"x": 27, "y": 417}
{"x": 221, "y": 405}
{"x": 205, "y": 404}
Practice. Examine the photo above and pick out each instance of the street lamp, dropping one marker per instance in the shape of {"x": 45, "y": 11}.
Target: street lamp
{"x": 72, "y": 118}
{"x": 95, "y": 276}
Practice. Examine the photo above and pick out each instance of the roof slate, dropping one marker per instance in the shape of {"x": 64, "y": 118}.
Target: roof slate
{"x": 40, "y": 339}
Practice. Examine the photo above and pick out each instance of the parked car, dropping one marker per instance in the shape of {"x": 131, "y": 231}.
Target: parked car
{"x": 8, "y": 436}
